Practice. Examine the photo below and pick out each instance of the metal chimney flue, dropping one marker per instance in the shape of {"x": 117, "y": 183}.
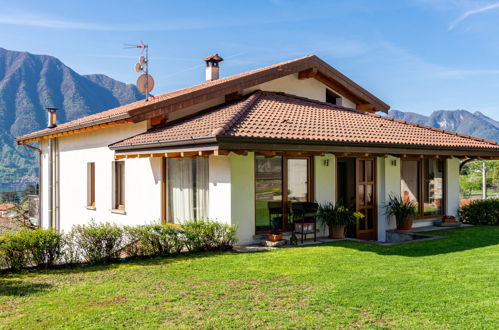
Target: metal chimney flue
{"x": 52, "y": 117}
{"x": 212, "y": 67}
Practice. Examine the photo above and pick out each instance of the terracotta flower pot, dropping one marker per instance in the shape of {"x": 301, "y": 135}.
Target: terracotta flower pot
{"x": 337, "y": 232}
{"x": 274, "y": 238}
{"x": 404, "y": 225}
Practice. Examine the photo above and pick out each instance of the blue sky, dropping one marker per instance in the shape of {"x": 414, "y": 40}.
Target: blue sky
{"x": 416, "y": 55}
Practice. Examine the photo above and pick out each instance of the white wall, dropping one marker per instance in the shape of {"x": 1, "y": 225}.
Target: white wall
{"x": 388, "y": 183}
{"x": 309, "y": 88}
{"x": 242, "y": 173}
{"x": 220, "y": 189}
{"x": 452, "y": 187}
{"x": 142, "y": 179}
{"x": 324, "y": 183}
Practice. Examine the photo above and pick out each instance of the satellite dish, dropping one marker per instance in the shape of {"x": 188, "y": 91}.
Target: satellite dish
{"x": 142, "y": 60}
{"x": 138, "y": 67}
{"x": 145, "y": 83}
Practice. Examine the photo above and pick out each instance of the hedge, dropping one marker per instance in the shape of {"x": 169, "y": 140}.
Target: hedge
{"x": 481, "y": 212}
{"x": 105, "y": 242}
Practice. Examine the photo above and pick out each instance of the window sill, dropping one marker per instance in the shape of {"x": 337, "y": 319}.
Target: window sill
{"x": 116, "y": 211}
{"x": 92, "y": 208}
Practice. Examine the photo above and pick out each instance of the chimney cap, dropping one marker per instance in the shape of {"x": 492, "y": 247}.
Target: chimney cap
{"x": 214, "y": 58}
{"x": 51, "y": 109}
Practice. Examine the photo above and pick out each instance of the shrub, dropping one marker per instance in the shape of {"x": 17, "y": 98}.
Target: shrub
{"x": 481, "y": 212}
{"x": 14, "y": 250}
{"x": 153, "y": 240}
{"x": 208, "y": 235}
{"x": 98, "y": 242}
{"x": 45, "y": 246}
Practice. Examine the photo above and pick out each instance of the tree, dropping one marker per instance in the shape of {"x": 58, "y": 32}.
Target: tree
{"x": 10, "y": 197}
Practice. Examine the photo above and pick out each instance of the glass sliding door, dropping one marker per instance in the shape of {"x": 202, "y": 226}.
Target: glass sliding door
{"x": 279, "y": 181}
{"x": 187, "y": 189}
{"x": 268, "y": 189}
{"x": 422, "y": 182}
{"x": 409, "y": 181}
{"x": 433, "y": 188}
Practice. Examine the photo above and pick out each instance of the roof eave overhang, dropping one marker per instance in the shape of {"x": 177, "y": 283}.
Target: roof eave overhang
{"x": 57, "y": 130}
{"x": 236, "y": 143}
{"x": 264, "y": 144}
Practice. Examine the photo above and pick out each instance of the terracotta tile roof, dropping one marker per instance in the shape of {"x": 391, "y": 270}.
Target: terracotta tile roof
{"x": 279, "y": 116}
{"x": 209, "y": 89}
{"x": 6, "y": 207}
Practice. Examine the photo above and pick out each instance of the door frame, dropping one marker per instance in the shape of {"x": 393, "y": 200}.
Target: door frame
{"x": 371, "y": 234}
{"x": 285, "y": 206}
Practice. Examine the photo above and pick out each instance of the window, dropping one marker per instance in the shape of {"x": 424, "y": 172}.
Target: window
{"x": 433, "y": 186}
{"x": 333, "y": 98}
{"x": 91, "y": 184}
{"x": 119, "y": 185}
{"x": 187, "y": 189}
{"x": 268, "y": 189}
{"x": 422, "y": 181}
{"x": 280, "y": 181}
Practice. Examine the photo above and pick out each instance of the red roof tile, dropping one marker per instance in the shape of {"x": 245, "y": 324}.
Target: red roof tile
{"x": 228, "y": 84}
{"x": 282, "y": 116}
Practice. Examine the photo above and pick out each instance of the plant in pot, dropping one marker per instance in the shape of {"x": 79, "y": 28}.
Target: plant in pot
{"x": 404, "y": 212}
{"x": 337, "y": 217}
{"x": 275, "y": 224}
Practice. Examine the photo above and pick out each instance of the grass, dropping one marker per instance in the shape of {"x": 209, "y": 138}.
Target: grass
{"x": 447, "y": 283}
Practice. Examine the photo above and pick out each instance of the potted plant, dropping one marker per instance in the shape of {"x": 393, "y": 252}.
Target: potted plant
{"x": 275, "y": 235}
{"x": 337, "y": 217}
{"x": 404, "y": 212}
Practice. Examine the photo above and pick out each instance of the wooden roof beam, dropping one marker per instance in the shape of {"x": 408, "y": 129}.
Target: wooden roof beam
{"x": 306, "y": 74}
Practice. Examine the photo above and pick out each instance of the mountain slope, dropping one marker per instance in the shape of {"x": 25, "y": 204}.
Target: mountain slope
{"x": 28, "y": 84}
{"x": 462, "y": 121}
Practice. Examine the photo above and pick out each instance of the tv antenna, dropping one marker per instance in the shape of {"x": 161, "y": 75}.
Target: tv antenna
{"x": 145, "y": 82}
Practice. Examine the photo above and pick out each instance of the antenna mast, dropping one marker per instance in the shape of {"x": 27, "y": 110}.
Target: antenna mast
{"x": 145, "y": 82}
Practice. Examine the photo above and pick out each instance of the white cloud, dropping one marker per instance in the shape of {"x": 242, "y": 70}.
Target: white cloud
{"x": 471, "y": 13}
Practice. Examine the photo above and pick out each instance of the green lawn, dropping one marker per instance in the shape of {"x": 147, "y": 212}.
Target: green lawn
{"x": 447, "y": 283}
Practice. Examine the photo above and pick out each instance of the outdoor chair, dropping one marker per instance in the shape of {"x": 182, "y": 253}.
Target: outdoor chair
{"x": 304, "y": 219}
{"x": 275, "y": 216}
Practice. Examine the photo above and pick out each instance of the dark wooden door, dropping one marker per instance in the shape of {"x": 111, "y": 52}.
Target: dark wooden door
{"x": 366, "y": 198}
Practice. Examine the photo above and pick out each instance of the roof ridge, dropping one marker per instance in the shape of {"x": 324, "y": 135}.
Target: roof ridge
{"x": 250, "y": 100}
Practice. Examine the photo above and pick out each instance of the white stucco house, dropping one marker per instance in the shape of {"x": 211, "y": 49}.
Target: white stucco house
{"x": 224, "y": 149}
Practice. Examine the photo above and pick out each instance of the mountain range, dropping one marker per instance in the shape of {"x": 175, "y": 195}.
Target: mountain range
{"x": 30, "y": 83}
{"x": 462, "y": 121}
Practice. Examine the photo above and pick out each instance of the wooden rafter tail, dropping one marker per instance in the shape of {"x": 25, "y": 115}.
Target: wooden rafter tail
{"x": 172, "y": 154}
{"x": 205, "y": 153}
{"x": 220, "y": 152}
{"x": 240, "y": 152}
{"x": 188, "y": 153}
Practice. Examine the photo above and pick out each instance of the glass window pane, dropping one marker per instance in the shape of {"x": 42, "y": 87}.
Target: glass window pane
{"x": 369, "y": 170}
{"x": 433, "y": 186}
{"x": 297, "y": 180}
{"x": 268, "y": 190}
{"x": 187, "y": 189}
{"x": 409, "y": 181}
{"x": 362, "y": 197}
{"x": 369, "y": 194}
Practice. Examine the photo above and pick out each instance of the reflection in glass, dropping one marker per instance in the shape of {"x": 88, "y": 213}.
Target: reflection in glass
{"x": 433, "y": 186}
{"x": 297, "y": 180}
{"x": 409, "y": 181}
{"x": 268, "y": 188}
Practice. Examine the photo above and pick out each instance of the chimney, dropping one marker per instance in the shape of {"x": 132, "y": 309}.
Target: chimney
{"x": 52, "y": 117}
{"x": 212, "y": 67}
